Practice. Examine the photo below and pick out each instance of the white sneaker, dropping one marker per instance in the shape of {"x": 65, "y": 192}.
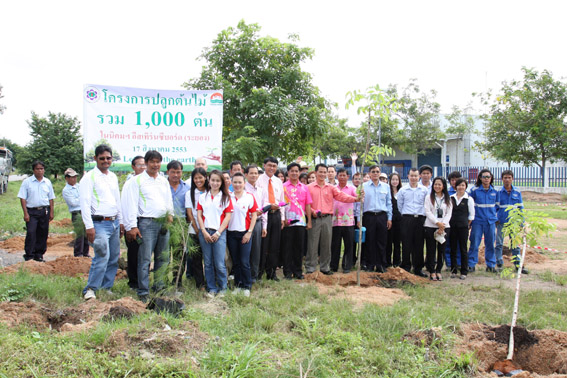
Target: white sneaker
{"x": 236, "y": 291}
{"x": 90, "y": 294}
{"x": 209, "y": 295}
{"x": 221, "y": 294}
{"x": 246, "y": 292}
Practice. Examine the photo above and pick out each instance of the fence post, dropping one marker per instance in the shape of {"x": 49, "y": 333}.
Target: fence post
{"x": 546, "y": 177}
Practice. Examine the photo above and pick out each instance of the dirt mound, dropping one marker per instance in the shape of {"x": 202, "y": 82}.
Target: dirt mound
{"x": 165, "y": 342}
{"x": 425, "y": 337}
{"x": 362, "y": 295}
{"x": 392, "y": 277}
{"x": 64, "y": 266}
{"x": 57, "y": 244}
{"x": 84, "y": 316}
{"x": 541, "y": 197}
{"x": 62, "y": 222}
{"x": 541, "y": 351}
{"x": 532, "y": 256}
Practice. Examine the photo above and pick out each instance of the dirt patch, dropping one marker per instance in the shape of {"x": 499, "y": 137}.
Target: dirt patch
{"x": 64, "y": 266}
{"x": 165, "y": 342}
{"x": 541, "y": 197}
{"x": 541, "y": 352}
{"x": 423, "y": 337}
{"x": 361, "y": 295}
{"x": 57, "y": 244}
{"x": 533, "y": 256}
{"x": 392, "y": 277}
{"x": 65, "y": 222}
{"x": 84, "y": 316}
{"x": 212, "y": 307}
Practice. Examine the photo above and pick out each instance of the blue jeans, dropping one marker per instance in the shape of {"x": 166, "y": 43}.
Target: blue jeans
{"x": 106, "y": 248}
{"x": 477, "y": 230}
{"x": 158, "y": 243}
{"x": 213, "y": 255}
{"x": 500, "y": 244}
{"x": 240, "y": 254}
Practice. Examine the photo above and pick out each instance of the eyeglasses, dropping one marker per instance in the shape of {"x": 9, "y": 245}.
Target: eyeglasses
{"x": 105, "y": 158}
{"x": 374, "y": 171}
{"x": 486, "y": 177}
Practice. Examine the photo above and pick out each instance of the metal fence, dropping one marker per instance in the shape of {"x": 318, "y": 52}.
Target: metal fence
{"x": 523, "y": 176}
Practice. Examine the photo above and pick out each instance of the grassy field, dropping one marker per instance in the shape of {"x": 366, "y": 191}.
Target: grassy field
{"x": 281, "y": 327}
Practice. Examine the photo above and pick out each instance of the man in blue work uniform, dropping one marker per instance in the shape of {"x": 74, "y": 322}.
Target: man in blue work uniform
{"x": 36, "y": 197}
{"x": 507, "y": 196}
{"x": 484, "y": 222}
{"x": 72, "y": 198}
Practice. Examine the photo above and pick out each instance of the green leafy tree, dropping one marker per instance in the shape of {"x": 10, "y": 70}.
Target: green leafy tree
{"x": 271, "y": 106}
{"x": 338, "y": 141}
{"x": 57, "y": 141}
{"x": 526, "y": 122}
{"x": 418, "y": 113}
{"x": 2, "y": 107}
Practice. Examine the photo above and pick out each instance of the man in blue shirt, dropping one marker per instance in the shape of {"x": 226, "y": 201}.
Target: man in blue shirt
{"x": 72, "y": 198}
{"x": 178, "y": 190}
{"x": 377, "y": 218}
{"x": 36, "y": 197}
{"x": 411, "y": 200}
{"x": 506, "y": 197}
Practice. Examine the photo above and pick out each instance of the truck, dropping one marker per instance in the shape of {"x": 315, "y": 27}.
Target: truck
{"x": 5, "y": 168}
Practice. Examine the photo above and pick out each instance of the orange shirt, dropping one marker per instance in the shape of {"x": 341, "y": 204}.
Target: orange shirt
{"x": 323, "y": 197}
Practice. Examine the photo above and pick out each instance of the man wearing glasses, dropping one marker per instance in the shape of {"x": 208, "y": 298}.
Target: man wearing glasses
{"x": 102, "y": 216}
{"x": 377, "y": 218}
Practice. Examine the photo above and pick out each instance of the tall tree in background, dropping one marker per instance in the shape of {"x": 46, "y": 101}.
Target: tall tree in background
{"x": 271, "y": 106}
{"x": 57, "y": 141}
{"x": 527, "y": 121}
{"x": 2, "y": 107}
{"x": 14, "y": 147}
{"x": 418, "y": 113}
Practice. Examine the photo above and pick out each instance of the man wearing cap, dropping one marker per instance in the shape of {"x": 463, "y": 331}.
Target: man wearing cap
{"x": 425, "y": 175}
{"x": 72, "y": 198}
{"x": 36, "y": 197}
{"x": 102, "y": 216}
{"x": 303, "y": 167}
{"x": 383, "y": 178}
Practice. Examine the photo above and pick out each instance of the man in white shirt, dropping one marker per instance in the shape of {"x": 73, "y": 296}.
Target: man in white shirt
{"x": 146, "y": 204}
{"x": 102, "y": 216}
{"x": 271, "y": 233}
{"x": 251, "y": 173}
{"x": 72, "y": 198}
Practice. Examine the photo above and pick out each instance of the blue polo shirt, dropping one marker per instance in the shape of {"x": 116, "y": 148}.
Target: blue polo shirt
{"x": 36, "y": 193}
{"x": 504, "y": 200}
{"x": 179, "y": 198}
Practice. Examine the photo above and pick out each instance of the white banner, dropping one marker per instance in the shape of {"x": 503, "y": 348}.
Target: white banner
{"x": 181, "y": 125}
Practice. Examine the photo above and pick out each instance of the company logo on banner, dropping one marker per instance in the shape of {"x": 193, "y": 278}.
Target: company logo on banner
{"x": 181, "y": 125}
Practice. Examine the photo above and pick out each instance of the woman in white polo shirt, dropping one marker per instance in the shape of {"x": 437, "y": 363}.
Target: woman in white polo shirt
{"x": 214, "y": 210}
{"x": 240, "y": 230}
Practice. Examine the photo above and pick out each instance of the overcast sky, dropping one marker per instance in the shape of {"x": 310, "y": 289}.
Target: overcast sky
{"x": 50, "y": 49}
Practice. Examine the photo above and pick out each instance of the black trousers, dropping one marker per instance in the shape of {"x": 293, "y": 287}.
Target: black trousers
{"x": 412, "y": 242}
{"x": 81, "y": 244}
{"x": 132, "y": 268}
{"x": 376, "y": 237}
{"x": 459, "y": 239}
{"x": 293, "y": 240}
{"x": 37, "y": 230}
{"x": 195, "y": 262}
{"x": 394, "y": 244}
{"x": 342, "y": 234}
{"x": 435, "y": 250}
{"x": 270, "y": 257}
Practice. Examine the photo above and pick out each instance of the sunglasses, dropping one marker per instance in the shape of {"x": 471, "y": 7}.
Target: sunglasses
{"x": 105, "y": 158}
{"x": 486, "y": 177}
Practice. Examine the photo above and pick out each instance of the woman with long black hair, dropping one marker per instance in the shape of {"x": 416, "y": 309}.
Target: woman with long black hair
{"x": 393, "y": 246}
{"x": 199, "y": 185}
{"x": 438, "y": 209}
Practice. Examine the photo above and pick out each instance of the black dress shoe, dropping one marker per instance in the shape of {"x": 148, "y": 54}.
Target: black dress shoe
{"x": 329, "y": 273}
{"x": 420, "y": 274}
{"x": 39, "y": 259}
{"x": 381, "y": 269}
{"x": 471, "y": 269}
{"x": 288, "y": 278}
{"x": 275, "y": 278}
{"x": 346, "y": 271}
{"x": 300, "y": 277}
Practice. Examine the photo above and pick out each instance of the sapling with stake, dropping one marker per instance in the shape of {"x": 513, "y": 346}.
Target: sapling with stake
{"x": 523, "y": 227}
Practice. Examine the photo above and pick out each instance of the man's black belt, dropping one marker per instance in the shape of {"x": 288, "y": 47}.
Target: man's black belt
{"x": 324, "y": 215}
{"x": 99, "y": 218}
{"x": 375, "y": 212}
{"x": 414, "y": 215}
{"x": 152, "y": 218}
{"x": 274, "y": 211}
{"x": 76, "y": 212}
{"x": 38, "y": 208}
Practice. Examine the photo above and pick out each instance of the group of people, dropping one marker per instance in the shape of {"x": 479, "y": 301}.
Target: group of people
{"x": 297, "y": 219}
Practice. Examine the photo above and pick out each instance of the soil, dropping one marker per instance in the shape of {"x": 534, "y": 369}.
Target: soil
{"x": 84, "y": 316}
{"x": 533, "y": 256}
{"x": 359, "y": 296}
{"x": 539, "y": 352}
{"x": 542, "y": 197}
{"x": 62, "y": 222}
{"x": 57, "y": 245}
{"x": 392, "y": 277}
{"x": 163, "y": 342}
{"x": 64, "y": 266}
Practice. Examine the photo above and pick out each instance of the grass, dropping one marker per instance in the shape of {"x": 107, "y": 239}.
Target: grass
{"x": 552, "y": 210}
{"x": 553, "y": 277}
{"x": 282, "y": 328}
